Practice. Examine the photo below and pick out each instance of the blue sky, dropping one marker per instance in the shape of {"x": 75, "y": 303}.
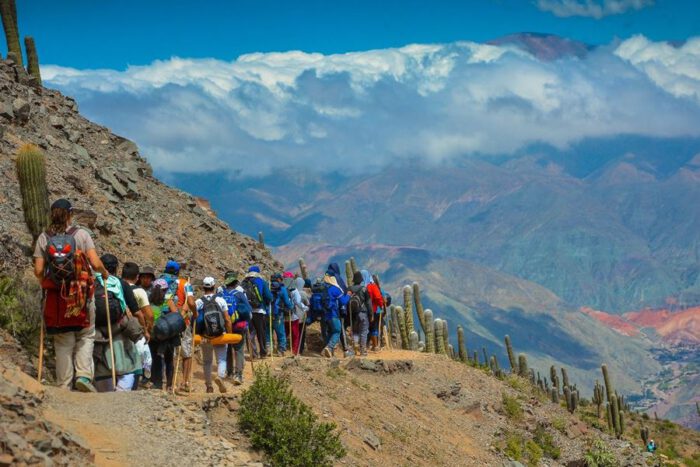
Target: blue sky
{"x": 114, "y": 34}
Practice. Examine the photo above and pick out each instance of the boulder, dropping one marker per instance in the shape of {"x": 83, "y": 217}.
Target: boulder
{"x": 21, "y": 109}
{"x": 6, "y": 110}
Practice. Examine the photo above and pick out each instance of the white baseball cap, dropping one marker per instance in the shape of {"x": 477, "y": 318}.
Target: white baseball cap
{"x": 209, "y": 282}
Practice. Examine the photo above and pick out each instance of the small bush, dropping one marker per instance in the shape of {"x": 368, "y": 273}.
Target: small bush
{"x": 284, "y": 427}
{"x": 335, "y": 373}
{"x": 20, "y": 310}
{"x": 545, "y": 441}
{"x": 517, "y": 383}
{"x": 534, "y": 453}
{"x": 559, "y": 424}
{"x": 599, "y": 455}
{"x": 512, "y": 407}
{"x": 514, "y": 447}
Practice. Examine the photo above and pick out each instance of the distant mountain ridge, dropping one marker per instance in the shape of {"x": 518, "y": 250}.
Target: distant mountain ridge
{"x": 544, "y": 46}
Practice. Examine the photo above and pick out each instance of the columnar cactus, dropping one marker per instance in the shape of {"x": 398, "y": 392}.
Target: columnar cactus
{"x": 533, "y": 381}
{"x": 555, "y": 395}
{"x": 609, "y": 417}
{"x": 564, "y": 377}
{"x": 31, "y": 173}
{"x": 8, "y": 12}
{"x": 353, "y": 265}
{"x": 402, "y": 326}
{"x": 32, "y": 58}
{"x": 450, "y": 351}
{"x": 476, "y": 359}
{"x": 261, "y": 238}
{"x": 495, "y": 363}
{"x": 486, "y": 355}
{"x": 598, "y": 397}
{"x": 395, "y": 328}
{"x": 460, "y": 343}
{"x": 439, "y": 341}
{"x": 419, "y": 306}
{"x": 429, "y": 333}
{"x": 302, "y": 268}
{"x": 445, "y": 334}
{"x": 644, "y": 433}
{"x": 553, "y": 376}
{"x": 609, "y": 391}
{"x": 413, "y": 340}
{"x": 408, "y": 307}
{"x": 348, "y": 273}
{"x": 616, "y": 416}
{"x": 511, "y": 355}
{"x": 522, "y": 366}
{"x": 567, "y": 398}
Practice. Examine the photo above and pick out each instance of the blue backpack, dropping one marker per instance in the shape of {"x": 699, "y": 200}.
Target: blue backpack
{"x": 321, "y": 302}
{"x": 237, "y": 304}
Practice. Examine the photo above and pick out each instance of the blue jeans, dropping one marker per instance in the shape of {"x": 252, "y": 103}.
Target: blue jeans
{"x": 278, "y": 329}
{"x": 333, "y": 329}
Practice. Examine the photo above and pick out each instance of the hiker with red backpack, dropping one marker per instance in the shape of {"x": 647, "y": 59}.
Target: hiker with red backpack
{"x": 212, "y": 320}
{"x": 64, "y": 258}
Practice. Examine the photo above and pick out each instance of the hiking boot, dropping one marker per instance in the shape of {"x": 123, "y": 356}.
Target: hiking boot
{"x": 83, "y": 384}
{"x": 349, "y": 353}
{"x": 210, "y": 389}
{"x": 237, "y": 380}
{"x": 280, "y": 353}
{"x": 326, "y": 352}
{"x": 220, "y": 384}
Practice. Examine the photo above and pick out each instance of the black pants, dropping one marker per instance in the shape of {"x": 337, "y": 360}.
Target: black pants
{"x": 159, "y": 361}
{"x": 260, "y": 321}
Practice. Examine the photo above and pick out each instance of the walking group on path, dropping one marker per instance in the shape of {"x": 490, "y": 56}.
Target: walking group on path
{"x": 131, "y": 332}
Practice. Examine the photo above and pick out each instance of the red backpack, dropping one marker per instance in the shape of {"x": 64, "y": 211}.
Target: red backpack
{"x": 68, "y": 283}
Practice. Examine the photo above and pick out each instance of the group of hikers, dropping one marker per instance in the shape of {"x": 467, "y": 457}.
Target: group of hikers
{"x": 129, "y": 331}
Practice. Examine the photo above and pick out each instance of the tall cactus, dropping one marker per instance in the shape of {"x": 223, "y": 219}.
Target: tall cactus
{"x": 348, "y": 273}
{"x": 460, "y": 344}
{"x": 476, "y": 359}
{"x": 553, "y": 376}
{"x": 402, "y": 326}
{"x": 486, "y": 355}
{"x": 644, "y": 433}
{"x": 609, "y": 390}
{"x": 353, "y": 265}
{"x": 564, "y": 377}
{"x": 609, "y": 417}
{"x": 522, "y": 366}
{"x": 32, "y": 58}
{"x": 413, "y": 341}
{"x": 450, "y": 351}
{"x": 445, "y": 335}
{"x": 617, "y": 422}
{"x": 31, "y": 173}
{"x": 8, "y": 12}
{"x": 408, "y": 307}
{"x": 598, "y": 397}
{"x": 419, "y": 305}
{"x": 555, "y": 395}
{"x": 511, "y": 355}
{"x": 429, "y": 333}
{"x": 302, "y": 268}
{"x": 439, "y": 341}
{"x": 261, "y": 238}
{"x": 394, "y": 325}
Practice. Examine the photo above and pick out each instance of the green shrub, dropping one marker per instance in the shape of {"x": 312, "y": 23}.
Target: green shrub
{"x": 335, "y": 373}
{"x": 545, "y": 441}
{"x": 284, "y": 427}
{"x": 559, "y": 424}
{"x": 599, "y": 455}
{"x": 512, "y": 407}
{"x": 534, "y": 453}
{"x": 20, "y": 310}
{"x": 514, "y": 447}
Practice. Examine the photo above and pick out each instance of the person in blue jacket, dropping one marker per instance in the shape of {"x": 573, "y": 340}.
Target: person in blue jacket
{"x": 338, "y": 300}
{"x": 281, "y": 304}
{"x": 260, "y": 301}
{"x": 334, "y": 271}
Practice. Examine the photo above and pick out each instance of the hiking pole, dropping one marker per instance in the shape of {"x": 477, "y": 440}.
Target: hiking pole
{"x": 301, "y": 334}
{"x": 41, "y": 350}
{"x": 109, "y": 335}
{"x": 290, "y": 336}
{"x": 250, "y": 349}
{"x": 272, "y": 345}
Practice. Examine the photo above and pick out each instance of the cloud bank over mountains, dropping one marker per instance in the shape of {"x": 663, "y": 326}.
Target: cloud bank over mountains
{"x": 363, "y": 110}
{"x": 593, "y": 8}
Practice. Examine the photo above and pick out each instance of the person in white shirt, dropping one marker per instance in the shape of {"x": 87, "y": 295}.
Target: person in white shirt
{"x": 209, "y": 286}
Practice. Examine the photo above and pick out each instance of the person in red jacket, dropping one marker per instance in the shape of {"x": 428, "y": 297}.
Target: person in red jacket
{"x": 377, "y": 305}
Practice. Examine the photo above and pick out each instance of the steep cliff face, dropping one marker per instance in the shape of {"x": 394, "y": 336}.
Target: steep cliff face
{"x": 132, "y": 214}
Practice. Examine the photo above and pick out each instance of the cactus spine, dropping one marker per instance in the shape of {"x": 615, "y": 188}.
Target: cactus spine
{"x": 8, "y": 12}
{"x": 522, "y": 366}
{"x": 302, "y": 268}
{"x": 408, "y": 308}
{"x": 413, "y": 340}
{"x": 419, "y": 306}
{"x": 402, "y": 327}
{"x": 609, "y": 391}
{"x": 429, "y": 333}
{"x": 31, "y": 173}
{"x": 353, "y": 266}
{"x": 348, "y": 273}
{"x": 439, "y": 341}
{"x": 511, "y": 355}
{"x": 32, "y": 58}
{"x": 460, "y": 344}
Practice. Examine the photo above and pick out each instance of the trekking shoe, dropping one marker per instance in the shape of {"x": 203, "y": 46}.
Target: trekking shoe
{"x": 237, "y": 380}
{"x": 210, "y": 389}
{"x": 83, "y": 384}
{"x": 349, "y": 353}
{"x": 326, "y": 352}
{"x": 220, "y": 384}
{"x": 280, "y": 353}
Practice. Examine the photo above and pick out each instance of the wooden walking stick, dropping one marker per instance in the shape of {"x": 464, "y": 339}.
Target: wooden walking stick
{"x": 109, "y": 336}
{"x": 41, "y": 350}
{"x": 272, "y": 345}
{"x": 301, "y": 334}
{"x": 177, "y": 366}
{"x": 250, "y": 349}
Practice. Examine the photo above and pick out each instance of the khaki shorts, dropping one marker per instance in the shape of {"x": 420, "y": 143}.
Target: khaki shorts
{"x": 186, "y": 343}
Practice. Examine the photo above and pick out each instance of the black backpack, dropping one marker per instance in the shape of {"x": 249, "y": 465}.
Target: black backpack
{"x": 357, "y": 302}
{"x": 213, "y": 324}
{"x": 278, "y": 303}
{"x": 60, "y": 256}
{"x": 252, "y": 293}
{"x": 115, "y": 307}
{"x": 168, "y": 326}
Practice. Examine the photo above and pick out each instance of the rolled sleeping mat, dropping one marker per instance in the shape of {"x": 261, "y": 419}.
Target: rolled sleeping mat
{"x": 219, "y": 340}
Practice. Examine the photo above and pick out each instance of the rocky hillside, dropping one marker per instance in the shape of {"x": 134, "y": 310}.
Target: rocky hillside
{"x": 131, "y": 213}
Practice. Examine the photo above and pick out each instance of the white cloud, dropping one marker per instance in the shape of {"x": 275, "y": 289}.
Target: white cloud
{"x": 366, "y": 109}
{"x": 593, "y": 8}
